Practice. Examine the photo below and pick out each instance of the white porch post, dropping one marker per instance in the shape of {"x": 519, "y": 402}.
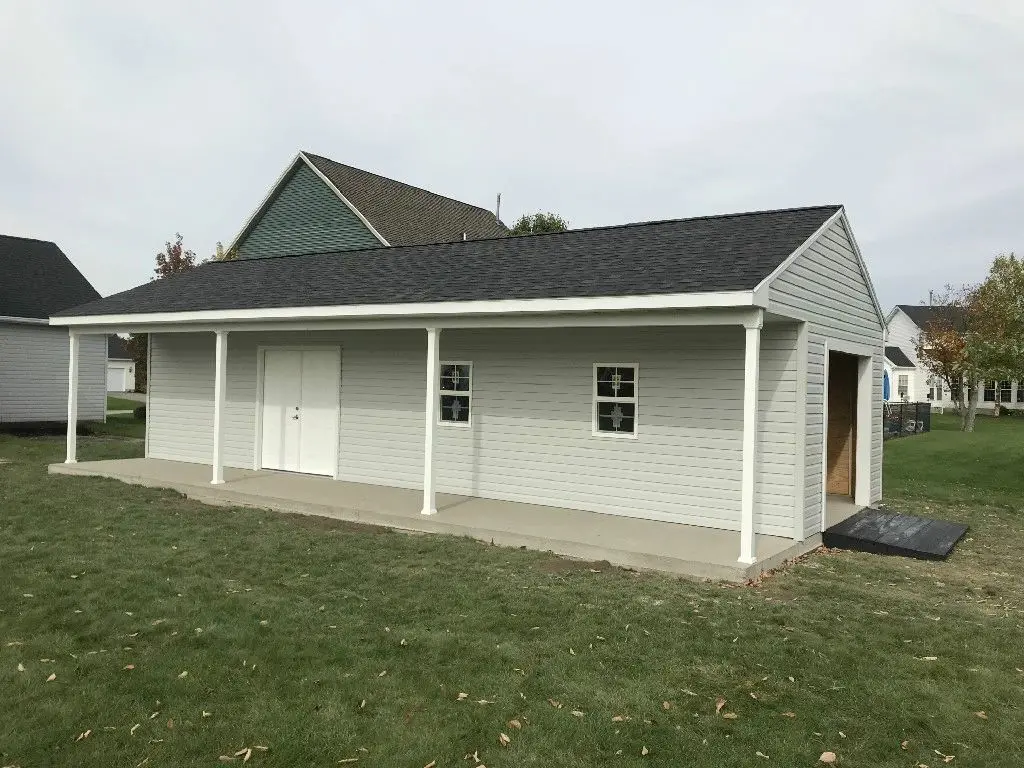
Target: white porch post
{"x": 73, "y": 345}
{"x": 433, "y": 393}
{"x": 219, "y": 392}
{"x": 751, "y": 376}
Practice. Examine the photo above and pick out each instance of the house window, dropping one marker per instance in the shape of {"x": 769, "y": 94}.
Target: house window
{"x": 1020, "y": 392}
{"x": 456, "y": 392}
{"x": 1005, "y": 392}
{"x": 990, "y": 392}
{"x": 934, "y": 388}
{"x": 903, "y": 385}
{"x": 615, "y": 399}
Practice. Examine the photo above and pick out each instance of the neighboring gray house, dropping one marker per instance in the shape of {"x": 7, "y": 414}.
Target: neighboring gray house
{"x": 719, "y": 374}
{"x": 319, "y": 205}
{"x": 120, "y": 365}
{"x": 37, "y": 280}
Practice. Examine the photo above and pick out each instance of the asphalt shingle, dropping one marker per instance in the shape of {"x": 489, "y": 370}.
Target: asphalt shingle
{"x": 407, "y": 215}
{"x": 37, "y": 279}
{"x": 715, "y": 253}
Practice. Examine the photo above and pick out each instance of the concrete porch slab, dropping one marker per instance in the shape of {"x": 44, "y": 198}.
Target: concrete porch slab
{"x": 645, "y": 544}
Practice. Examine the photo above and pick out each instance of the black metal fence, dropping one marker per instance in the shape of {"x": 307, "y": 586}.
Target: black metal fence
{"x": 902, "y": 419}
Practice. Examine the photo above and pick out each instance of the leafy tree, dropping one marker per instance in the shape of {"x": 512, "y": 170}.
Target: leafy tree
{"x": 979, "y": 337}
{"x": 539, "y": 223}
{"x": 174, "y": 258}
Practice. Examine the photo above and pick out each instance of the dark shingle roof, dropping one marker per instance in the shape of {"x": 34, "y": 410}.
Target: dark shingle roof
{"x": 923, "y": 314}
{"x": 898, "y": 357}
{"x": 117, "y": 348}
{"x": 37, "y": 279}
{"x": 407, "y": 215}
{"x": 715, "y": 253}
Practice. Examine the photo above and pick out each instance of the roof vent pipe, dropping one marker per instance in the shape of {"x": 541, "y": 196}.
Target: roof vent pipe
{"x": 464, "y": 238}
{"x": 497, "y": 209}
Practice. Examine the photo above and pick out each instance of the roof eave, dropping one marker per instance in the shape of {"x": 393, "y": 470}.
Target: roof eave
{"x": 445, "y": 309}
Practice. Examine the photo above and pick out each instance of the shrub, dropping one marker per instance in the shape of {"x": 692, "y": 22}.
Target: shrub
{"x": 140, "y": 412}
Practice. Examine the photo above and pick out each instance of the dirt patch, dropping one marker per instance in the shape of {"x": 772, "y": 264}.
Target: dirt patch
{"x": 567, "y": 565}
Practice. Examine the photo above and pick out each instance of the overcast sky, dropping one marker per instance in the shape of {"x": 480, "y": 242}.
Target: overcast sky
{"x": 122, "y": 123}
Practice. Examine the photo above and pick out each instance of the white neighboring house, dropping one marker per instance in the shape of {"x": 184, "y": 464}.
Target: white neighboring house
{"x": 904, "y": 326}
{"x": 120, "y": 365}
{"x": 37, "y": 280}
{"x": 721, "y": 372}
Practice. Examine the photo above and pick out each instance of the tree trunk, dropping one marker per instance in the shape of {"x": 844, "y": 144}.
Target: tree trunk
{"x": 972, "y": 405}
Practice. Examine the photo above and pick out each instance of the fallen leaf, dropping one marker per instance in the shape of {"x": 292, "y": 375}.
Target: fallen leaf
{"x": 484, "y": 701}
{"x": 730, "y": 716}
{"x": 644, "y": 750}
{"x": 577, "y": 713}
{"x": 982, "y": 715}
{"x": 504, "y": 740}
{"x": 183, "y": 674}
{"x": 620, "y": 718}
{"x": 666, "y": 705}
{"x": 170, "y": 723}
{"x": 904, "y": 744}
{"x": 51, "y": 678}
{"x": 842, "y": 735}
{"x": 463, "y": 696}
{"x": 129, "y": 666}
{"x": 555, "y": 704}
{"x": 929, "y": 658}
{"x": 514, "y": 724}
{"x": 762, "y": 754}
{"x": 789, "y": 714}
{"x": 719, "y": 703}
{"x": 133, "y": 729}
{"x": 827, "y": 757}
{"x": 206, "y": 714}
{"x": 84, "y": 735}
{"x": 431, "y": 764}
{"x": 382, "y": 673}
{"x": 21, "y": 667}
{"x": 349, "y": 760}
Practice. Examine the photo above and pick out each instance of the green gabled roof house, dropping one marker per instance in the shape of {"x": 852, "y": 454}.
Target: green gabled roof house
{"x": 320, "y": 205}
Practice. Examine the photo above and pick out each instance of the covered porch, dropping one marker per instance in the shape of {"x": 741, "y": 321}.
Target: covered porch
{"x": 694, "y": 551}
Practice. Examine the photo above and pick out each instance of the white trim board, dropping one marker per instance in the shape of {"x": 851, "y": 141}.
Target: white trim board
{"x": 437, "y": 309}
{"x": 24, "y": 320}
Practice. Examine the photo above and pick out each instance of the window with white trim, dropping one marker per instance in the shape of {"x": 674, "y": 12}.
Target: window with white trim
{"x": 903, "y": 385}
{"x": 456, "y": 392}
{"x": 615, "y": 399}
{"x": 934, "y": 388}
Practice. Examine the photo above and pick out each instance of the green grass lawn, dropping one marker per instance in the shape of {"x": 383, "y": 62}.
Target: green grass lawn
{"x": 115, "y": 403}
{"x": 177, "y": 633}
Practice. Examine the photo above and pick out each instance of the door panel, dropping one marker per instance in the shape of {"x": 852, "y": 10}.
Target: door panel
{"x": 321, "y": 373}
{"x": 842, "y": 414}
{"x": 281, "y": 409}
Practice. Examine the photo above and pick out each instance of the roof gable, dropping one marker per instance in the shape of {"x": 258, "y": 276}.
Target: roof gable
{"x": 37, "y": 279}
{"x": 303, "y": 215}
{"x": 923, "y": 314}
{"x": 404, "y": 214}
{"x": 701, "y": 255}
{"x": 392, "y": 212}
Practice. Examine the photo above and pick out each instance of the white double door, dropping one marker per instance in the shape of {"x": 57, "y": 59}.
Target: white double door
{"x": 300, "y": 410}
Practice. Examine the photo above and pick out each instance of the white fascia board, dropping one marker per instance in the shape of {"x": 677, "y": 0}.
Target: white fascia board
{"x": 24, "y": 320}
{"x": 343, "y": 199}
{"x": 502, "y": 308}
{"x": 863, "y": 267}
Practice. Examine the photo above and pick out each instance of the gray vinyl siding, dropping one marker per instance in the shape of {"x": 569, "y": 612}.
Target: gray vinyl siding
{"x": 826, "y": 287}
{"x": 530, "y": 438}
{"x": 34, "y": 375}
{"x": 305, "y": 217}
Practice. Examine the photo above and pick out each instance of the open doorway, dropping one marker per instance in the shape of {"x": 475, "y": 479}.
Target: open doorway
{"x": 841, "y": 436}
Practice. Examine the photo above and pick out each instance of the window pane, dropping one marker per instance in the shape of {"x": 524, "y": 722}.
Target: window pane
{"x": 461, "y": 378}
{"x": 616, "y": 382}
{"x": 616, "y": 417}
{"x": 448, "y": 376}
{"x": 455, "y": 408}
{"x": 1020, "y": 393}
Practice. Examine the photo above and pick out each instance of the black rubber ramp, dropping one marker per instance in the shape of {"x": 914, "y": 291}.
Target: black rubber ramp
{"x": 888, "y": 533}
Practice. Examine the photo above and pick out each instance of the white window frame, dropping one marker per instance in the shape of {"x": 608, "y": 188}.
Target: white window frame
{"x": 635, "y": 400}
{"x": 905, "y": 394}
{"x": 467, "y": 393}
